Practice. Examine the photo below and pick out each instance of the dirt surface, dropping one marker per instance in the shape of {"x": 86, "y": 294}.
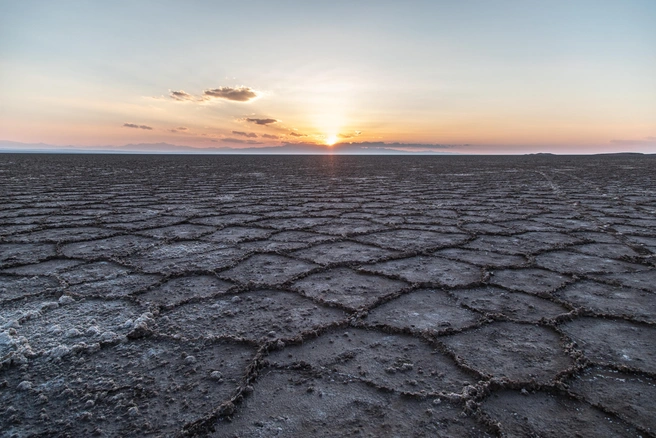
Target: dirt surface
{"x": 260, "y": 296}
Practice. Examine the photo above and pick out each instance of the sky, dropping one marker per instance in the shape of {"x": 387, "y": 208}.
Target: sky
{"x": 472, "y": 76}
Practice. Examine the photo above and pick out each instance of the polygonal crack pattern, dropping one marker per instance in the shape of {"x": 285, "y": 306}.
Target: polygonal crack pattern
{"x": 327, "y": 296}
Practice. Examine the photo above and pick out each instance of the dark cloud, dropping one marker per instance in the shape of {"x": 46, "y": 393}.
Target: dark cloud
{"x": 271, "y": 136}
{"x": 181, "y": 128}
{"x": 296, "y": 134}
{"x": 237, "y": 94}
{"x": 245, "y": 134}
{"x": 239, "y": 141}
{"x": 261, "y": 121}
{"x": 181, "y": 95}
{"x": 132, "y": 125}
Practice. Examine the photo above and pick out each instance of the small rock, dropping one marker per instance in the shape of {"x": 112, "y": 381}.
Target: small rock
{"x": 236, "y": 299}
{"x": 190, "y": 360}
{"x": 25, "y": 385}
{"x": 108, "y": 337}
{"x": 59, "y": 351}
{"x": 49, "y": 305}
{"x": 216, "y": 375}
{"x": 524, "y": 391}
{"x": 72, "y": 333}
{"x": 133, "y": 411}
{"x": 65, "y": 299}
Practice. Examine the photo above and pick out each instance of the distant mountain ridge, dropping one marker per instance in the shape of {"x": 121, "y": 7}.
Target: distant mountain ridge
{"x": 288, "y": 148}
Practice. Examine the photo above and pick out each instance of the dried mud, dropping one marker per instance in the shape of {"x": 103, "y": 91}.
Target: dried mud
{"x": 235, "y": 296}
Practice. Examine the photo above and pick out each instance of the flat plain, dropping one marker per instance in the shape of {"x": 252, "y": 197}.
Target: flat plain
{"x": 259, "y": 296}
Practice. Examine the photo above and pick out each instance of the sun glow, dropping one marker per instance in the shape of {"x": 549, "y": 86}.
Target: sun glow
{"x": 331, "y": 140}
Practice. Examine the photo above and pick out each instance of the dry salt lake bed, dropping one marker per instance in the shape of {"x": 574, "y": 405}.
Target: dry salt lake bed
{"x": 297, "y": 296}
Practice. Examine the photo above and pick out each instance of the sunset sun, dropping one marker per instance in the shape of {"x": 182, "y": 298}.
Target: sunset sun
{"x": 331, "y": 140}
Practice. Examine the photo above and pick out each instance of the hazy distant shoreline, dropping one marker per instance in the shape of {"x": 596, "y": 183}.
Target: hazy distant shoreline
{"x": 289, "y": 149}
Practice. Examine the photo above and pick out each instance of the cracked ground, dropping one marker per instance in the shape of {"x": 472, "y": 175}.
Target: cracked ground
{"x": 237, "y": 296}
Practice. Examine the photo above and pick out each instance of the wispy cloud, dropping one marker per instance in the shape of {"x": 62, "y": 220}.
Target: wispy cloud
{"x": 133, "y": 125}
{"x": 296, "y": 134}
{"x": 181, "y": 96}
{"x": 181, "y": 128}
{"x": 271, "y": 136}
{"x": 349, "y": 135}
{"x": 261, "y": 121}
{"x": 245, "y": 134}
{"x": 237, "y": 94}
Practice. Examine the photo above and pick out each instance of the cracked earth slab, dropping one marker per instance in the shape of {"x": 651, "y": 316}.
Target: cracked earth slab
{"x": 620, "y": 342}
{"x": 426, "y": 309}
{"x": 252, "y": 315}
{"x": 396, "y": 362}
{"x": 295, "y": 404}
{"x": 519, "y": 352}
{"x": 627, "y": 395}
{"x": 547, "y": 415}
{"x": 433, "y": 271}
{"x": 147, "y": 385}
{"x": 511, "y": 305}
{"x": 348, "y": 288}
